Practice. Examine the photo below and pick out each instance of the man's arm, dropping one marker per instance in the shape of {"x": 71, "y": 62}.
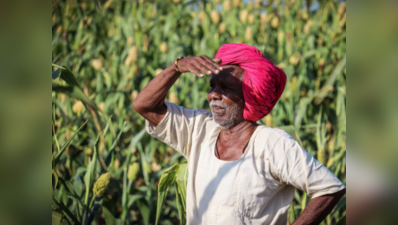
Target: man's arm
{"x": 301, "y": 170}
{"x": 318, "y": 208}
{"x": 150, "y": 102}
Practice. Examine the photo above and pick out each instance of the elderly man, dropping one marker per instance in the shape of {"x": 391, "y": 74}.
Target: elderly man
{"x": 240, "y": 172}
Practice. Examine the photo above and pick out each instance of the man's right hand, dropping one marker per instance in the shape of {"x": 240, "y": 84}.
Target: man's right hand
{"x": 198, "y": 64}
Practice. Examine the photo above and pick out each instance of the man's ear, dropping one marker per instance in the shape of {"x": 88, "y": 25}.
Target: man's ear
{"x": 242, "y": 73}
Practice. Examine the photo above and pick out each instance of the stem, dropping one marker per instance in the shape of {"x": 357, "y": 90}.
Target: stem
{"x": 66, "y": 210}
{"x": 56, "y": 139}
{"x": 100, "y": 128}
{"x": 86, "y": 198}
{"x": 91, "y": 202}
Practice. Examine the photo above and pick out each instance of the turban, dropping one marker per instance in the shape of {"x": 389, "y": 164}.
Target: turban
{"x": 263, "y": 82}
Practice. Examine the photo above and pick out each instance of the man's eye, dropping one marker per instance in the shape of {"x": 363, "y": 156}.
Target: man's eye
{"x": 226, "y": 88}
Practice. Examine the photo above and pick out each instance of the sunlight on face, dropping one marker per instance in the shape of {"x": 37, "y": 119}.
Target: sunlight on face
{"x": 225, "y": 96}
{"x": 229, "y": 115}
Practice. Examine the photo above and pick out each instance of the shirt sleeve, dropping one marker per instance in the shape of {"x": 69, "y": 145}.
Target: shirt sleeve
{"x": 301, "y": 170}
{"x": 177, "y": 128}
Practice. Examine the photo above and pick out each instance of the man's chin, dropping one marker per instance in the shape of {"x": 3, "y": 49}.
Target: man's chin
{"x": 217, "y": 119}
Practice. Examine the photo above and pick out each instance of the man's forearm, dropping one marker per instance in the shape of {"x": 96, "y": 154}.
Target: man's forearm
{"x": 150, "y": 102}
{"x": 318, "y": 208}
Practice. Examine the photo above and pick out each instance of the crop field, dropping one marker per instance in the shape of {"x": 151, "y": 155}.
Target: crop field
{"x": 106, "y": 168}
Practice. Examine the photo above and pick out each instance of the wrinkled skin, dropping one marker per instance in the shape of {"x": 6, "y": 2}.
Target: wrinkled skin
{"x": 226, "y": 98}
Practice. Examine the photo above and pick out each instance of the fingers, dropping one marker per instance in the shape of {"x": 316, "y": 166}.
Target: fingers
{"x": 196, "y": 71}
{"x": 206, "y": 65}
{"x": 218, "y": 61}
{"x": 214, "y": 63}
{"x": 198, "y": 67}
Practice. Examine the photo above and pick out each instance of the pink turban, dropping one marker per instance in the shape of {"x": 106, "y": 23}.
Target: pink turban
{"x": 263, "y": 82}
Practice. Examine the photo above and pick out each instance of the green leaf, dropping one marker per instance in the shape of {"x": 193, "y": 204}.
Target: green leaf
{"x": 107, "y": 127}
{"x": 97, "y": 5}
{"x": 66, "y": 210}
{"x": 146, "y": 169}
{"x": 90, "y": 174}
{"x": 144, "y": 209}
{"x": 56, "y": 218}
{"x": 109, "y": 219}
{"x": 292, "y": 215}
{"x": 302, "y": 110}
{"x": 74, "y": 92}
{"x": 118, "y": 137}
{"x": 67, "y": 75}
{"x": 168, "y": 177}
{"x": 78, "y": 186}
{"x": 79, "y": 171}
{"x": 180, "y": 206}
{"x": 124, "y": 194}
{"x": 58, "y": 156}
{"x": 304, "y": 202}
{"x": 340, "y": 155}
{"x": 136, "y": 139}
{"x": 166, "y": 180}
{"x": 56, "y": 74}
{"x": 161, "y": 199}
{"x": 181, "y": 189}
{"x": 55, "y": 137}
{"x": 342, "y": 221}
{"x": 330, "y": 81}
{"x": 55, "y": 177}
{"x": 133, "y": 198}
{"x": 111, "y": 151}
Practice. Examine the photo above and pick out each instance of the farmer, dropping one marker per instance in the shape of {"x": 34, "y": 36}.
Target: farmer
{"x": 240, "y": 172}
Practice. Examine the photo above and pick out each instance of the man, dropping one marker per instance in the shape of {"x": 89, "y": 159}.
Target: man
{"x": 239, "y": 172}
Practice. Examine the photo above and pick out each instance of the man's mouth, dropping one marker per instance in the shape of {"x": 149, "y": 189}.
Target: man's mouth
{"x": 217, "y": 109}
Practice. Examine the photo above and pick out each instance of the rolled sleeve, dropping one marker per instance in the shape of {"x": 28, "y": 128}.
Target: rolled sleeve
{"x": 177, "y": 127}
{"x": 301, "y": 170}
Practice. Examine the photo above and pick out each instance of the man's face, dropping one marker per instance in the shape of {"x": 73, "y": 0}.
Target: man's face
{"x": 226, "y": 97}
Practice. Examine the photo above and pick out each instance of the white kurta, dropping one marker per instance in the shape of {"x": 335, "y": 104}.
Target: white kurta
{"x": 257, "y": 188}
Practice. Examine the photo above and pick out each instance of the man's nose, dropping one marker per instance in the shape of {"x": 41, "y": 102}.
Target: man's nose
{"x": 214, "y": 95}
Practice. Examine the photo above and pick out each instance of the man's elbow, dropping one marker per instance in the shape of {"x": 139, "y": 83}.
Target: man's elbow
{"x": 338, "y": 195}
{"x": 144, "y": 109}
{"x": 342, "y": 192}
{"x": 138, "y": 107}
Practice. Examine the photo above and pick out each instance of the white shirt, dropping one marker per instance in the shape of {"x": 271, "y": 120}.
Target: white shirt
{"x": 257, "y": 188}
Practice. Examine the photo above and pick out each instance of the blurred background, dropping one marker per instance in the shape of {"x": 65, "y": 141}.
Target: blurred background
{"x": 114, "y": 48}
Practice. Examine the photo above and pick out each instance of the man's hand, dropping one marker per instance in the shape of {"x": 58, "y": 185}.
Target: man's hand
{"x": 318, "y": 208}
{"x": 198, "y": 64}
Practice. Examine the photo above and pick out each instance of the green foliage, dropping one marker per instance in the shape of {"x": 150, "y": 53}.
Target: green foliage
{"x": 181, "y": 189}
{"x": 166, "y": 181}
{"x": 110, "y": 50}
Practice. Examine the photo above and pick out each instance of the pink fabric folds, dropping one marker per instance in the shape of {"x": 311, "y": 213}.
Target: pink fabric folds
{"x": 263, "y": 83}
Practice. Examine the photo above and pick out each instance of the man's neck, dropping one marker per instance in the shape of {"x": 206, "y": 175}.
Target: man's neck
{"x": 242, "y": 129}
